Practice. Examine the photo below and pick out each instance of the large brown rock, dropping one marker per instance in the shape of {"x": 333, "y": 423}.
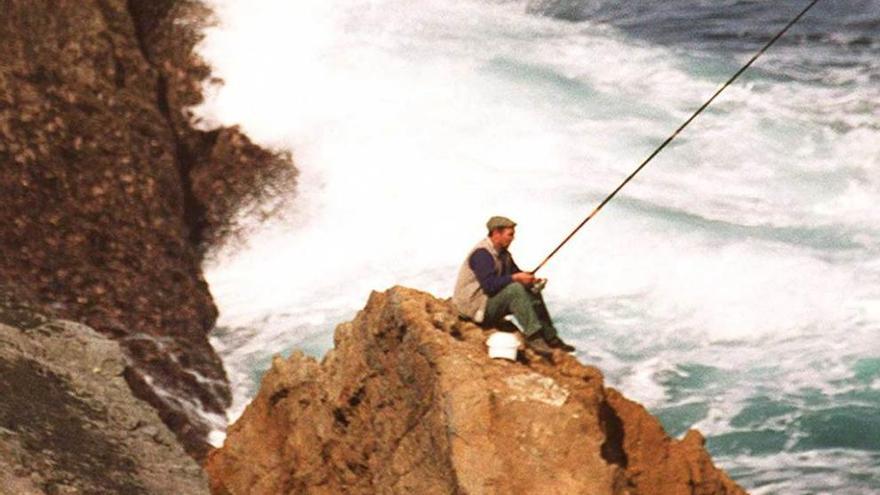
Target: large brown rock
{"x": 108, "y": 196}
{"x": 409, "y": 402}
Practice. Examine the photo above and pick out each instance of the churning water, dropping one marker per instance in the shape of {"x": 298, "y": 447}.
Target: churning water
{"x": 733, "y": 287}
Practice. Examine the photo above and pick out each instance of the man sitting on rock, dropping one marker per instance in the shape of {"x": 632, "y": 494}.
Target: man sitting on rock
{"x": 490, "y": 286}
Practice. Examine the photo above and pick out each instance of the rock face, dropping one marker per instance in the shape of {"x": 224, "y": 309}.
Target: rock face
{"x": 69, "y": 422}
{"x": 108, "y": 195}
{"x": 409, "y": 402}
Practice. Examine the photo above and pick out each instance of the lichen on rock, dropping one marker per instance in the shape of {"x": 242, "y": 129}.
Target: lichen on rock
{"x": 110, "y": 195}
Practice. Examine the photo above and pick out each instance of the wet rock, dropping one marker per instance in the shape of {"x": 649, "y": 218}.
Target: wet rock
{"x": 70, "y": 424}
{"x": 409, "y": 402}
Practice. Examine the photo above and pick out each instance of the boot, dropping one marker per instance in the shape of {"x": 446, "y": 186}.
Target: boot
{"x": 556, "y": 343}
{"x": 537, "y": 343}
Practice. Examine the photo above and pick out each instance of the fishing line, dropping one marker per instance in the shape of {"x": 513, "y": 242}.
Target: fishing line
{"x": 677, "y": 131}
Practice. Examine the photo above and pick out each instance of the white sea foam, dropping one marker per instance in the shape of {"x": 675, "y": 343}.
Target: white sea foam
{"x": 749, "y": 246}
{"x": 806, "y": 472}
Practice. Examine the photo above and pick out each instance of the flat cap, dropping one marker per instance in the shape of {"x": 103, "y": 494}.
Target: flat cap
{"x": 499, "y": 223}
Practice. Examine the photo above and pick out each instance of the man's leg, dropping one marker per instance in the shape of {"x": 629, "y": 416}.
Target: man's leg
{"x": 544, "y": 316}
{"x": 530, "y": 313}
{"x": 519, "y": 301}
{"x": 550, "y": 334}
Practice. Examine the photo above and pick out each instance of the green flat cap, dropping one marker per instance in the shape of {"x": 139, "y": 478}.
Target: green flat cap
{"x": 499, "y": 222}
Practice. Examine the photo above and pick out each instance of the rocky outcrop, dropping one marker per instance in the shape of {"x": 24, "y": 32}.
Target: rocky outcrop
{"x": 69, "y": 422}
{"x": 409, "y": 402}
{"x": 108, "y": 195}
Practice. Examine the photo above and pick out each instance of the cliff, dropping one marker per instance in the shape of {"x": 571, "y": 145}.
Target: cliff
{"x": 409, "y": 402}
{"x": 69, "y": 422}
{"x": 109, "y": 195}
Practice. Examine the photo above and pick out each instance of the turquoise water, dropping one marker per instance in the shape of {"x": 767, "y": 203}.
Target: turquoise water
{"x": 733, "y": 287}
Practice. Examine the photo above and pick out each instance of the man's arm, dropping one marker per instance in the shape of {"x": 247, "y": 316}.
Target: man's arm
{"x": 483, "y": 265}
{"x": 520, "y": 276}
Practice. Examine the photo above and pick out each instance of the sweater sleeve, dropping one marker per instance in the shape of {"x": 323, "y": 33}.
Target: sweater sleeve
{"x": 484, "y": 268}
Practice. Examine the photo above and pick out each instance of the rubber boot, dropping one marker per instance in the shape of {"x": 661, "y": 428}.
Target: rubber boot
{"x": 537, "y": 343}
{"x": 556, "y": 343}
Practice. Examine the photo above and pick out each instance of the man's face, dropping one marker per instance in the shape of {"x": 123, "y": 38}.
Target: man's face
{"x": 502, "y": 238}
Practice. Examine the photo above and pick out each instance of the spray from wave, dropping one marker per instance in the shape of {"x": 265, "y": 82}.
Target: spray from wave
{"x": 733, "y": 287}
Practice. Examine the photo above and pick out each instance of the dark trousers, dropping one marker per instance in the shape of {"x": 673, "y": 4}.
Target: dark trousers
{"x": 527, "y": 307}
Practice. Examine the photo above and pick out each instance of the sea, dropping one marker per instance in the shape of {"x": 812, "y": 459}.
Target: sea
{"x": 733, "y": 286}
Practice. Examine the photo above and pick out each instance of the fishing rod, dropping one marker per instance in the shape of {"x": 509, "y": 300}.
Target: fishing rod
{"x": 677, "y": 131}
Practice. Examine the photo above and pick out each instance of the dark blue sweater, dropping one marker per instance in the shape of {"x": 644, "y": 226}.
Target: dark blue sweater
{"x": 483, "y": 265}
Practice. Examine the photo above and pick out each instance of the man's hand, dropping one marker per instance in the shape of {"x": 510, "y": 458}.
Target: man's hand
{"x": 524, "y": 278}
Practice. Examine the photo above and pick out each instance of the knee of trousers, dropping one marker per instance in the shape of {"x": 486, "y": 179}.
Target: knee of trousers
{"x": 522, "y": 295}
{"x": 519, "y": 289}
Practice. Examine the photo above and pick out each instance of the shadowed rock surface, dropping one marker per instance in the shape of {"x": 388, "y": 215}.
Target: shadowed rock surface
{"x": 108, "y": 196}
{"x": 69, "y": 422}
{"x": 409, "y": 402}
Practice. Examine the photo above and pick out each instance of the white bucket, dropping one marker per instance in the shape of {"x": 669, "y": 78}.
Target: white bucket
{"x": 503, "y": 345}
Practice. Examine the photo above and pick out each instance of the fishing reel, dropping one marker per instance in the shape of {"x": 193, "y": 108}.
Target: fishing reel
{"x": 538, "y": 286}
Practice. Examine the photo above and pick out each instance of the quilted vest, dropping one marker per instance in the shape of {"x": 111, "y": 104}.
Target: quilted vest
{"x": 468, "y": 297}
